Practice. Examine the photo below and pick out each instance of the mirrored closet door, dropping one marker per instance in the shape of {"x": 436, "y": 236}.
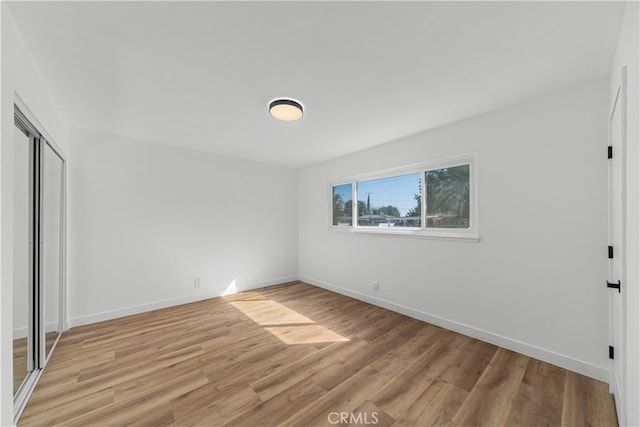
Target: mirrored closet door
{"x": 38, "y": 255}
{"x": 23, "y": 344}
{"x": 51, "y": 246}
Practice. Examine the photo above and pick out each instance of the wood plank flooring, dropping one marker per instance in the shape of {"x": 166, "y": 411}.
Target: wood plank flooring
{"x": 19, "y": 362}
{"x": 297, "y": 355}
{"x": 20, "y": 356}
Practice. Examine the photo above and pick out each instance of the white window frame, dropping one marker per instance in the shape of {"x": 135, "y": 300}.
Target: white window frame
{"x": 469, "y": 234}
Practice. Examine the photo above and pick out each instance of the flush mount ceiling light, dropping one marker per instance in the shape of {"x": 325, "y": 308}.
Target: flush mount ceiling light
{"x": 285, "y": 109}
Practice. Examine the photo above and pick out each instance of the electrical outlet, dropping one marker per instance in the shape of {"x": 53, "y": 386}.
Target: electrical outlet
{"x": 196, "y": 282}
{"x": 376, "y": 285}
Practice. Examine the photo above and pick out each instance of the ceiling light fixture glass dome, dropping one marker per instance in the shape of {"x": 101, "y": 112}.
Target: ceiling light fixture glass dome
{"x": 287, "y": 110}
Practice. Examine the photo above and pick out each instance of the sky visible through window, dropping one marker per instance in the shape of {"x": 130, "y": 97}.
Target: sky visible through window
{"x": 396, "y": 191}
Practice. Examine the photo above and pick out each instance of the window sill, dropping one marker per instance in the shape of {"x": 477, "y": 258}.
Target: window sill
{"x": 415, "y": 233}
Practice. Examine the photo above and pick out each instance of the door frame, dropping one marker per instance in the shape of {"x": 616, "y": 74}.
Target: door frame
{"x": 26, "y": 122}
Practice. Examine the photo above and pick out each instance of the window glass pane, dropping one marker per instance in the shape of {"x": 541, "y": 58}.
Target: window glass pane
{"x": 390, "y": 202}
{"x": 447, "y": 193}
{"x": 342, "y": 204}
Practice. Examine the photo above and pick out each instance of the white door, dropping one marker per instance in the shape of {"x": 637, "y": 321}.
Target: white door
{"x": 617, "y": 212}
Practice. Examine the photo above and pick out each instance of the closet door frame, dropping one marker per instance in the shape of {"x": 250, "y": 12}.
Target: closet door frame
{"x": 37, "y": 356}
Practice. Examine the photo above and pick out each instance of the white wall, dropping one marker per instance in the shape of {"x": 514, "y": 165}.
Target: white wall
{"x": 534, "y": 283}
{"x": 627, "y": 54}
{"x": 147, "y": 219}
{"x": 20, "y": 78}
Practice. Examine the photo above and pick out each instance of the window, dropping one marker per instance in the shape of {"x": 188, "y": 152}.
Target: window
{"x": 342, "y": 196}
{"x": 447, "y": 191}
{"x": 390, "y": 202}
{"x": 429, "y": 199}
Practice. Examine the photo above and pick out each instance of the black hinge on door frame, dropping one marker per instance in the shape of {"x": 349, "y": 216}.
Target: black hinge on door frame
{"x": 614, "y": 285}
{"x": 611, "y": 352}
{"x": 610, "y": 152}
{"x": 610, "y": 249}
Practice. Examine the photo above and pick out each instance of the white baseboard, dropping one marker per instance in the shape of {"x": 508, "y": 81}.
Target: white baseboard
{"x": 593, "y": 371}
{"x": 19, "y": 333}
{"x": 142, "y": 308}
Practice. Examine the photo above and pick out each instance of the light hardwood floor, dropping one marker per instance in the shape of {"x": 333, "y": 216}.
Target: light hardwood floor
{"x": 297, "y": 355}
{"x": 20, "y": 356}
{"x": 19, "y": 362}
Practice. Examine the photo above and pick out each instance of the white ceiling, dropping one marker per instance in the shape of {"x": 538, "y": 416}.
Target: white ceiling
{"x": 201, "y": 74}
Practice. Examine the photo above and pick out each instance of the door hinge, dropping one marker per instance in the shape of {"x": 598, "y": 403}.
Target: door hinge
{"x": 610, "y": 252}
{"x": 611, "y": 352}
{"x": 614, "y": 285}
{"x": 610, "y": 152}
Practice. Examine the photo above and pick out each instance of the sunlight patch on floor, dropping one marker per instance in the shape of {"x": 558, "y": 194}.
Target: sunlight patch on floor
{"x": 287, "y": 325}
{"x": 305, "y": 334}
{"x": 268, "y": 312}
